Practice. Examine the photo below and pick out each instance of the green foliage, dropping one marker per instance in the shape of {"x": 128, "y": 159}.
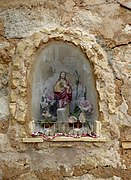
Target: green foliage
{"x": 76, "y": 112}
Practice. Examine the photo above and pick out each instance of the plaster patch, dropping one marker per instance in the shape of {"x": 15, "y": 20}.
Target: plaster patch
{"x": 4, "y": 109}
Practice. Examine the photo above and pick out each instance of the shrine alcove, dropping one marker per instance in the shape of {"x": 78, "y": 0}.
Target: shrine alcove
{"x": 49, "y": 62}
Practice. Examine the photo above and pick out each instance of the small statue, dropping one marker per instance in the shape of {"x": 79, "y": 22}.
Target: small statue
{"x": 62, "y": 91}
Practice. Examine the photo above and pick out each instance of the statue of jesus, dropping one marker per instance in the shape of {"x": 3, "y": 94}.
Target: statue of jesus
{"x": 62, "y": 91}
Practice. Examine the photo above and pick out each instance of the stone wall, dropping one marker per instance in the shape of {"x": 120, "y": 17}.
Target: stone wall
{"x": 101, "y": 29}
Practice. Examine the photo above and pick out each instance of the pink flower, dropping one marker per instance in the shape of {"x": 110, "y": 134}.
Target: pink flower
{"x": 84, "y": 103}
{"x": 86, "y": 106}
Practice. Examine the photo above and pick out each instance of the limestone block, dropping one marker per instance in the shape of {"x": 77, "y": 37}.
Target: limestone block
{"x": 2, "y": 68}
{"x": 15, "y": 74}
{"x": 29, "y": 51}
{"x": 23, "y": 82}
{"x": 32, "y": 140}
{"x": 12, "y": 107}
{"x": 100, "y": 55}
{"x": 22, "y": 132}
{"x": 21, "y": 147}
{"x": 96, "y": 47}
{"x": 111, "y": 90}
{"x": 21, "y": 102}
{"x": 126, "y": 145}
{"x": 20, "y": 117}
{"x": 66, "y": 38}
{"x": 14, "y": 83}
{"x": 93, "y": 59}
{"x": 112, "y": 108}
{"x": 4, "y": 143}
{"x": 111, "y": 98}
{"x": 128, "y": 134}
{"x": 46, "y": 31}
{"x": 16, "y": 65}
{"x": 90, "y": 53}
{"x": 12, "y": 135}
{"x": 22, "y": 108}
{"x": 45, "y": 39}
{"x": 23, "y": 70}
{"x": 81, "y": 139}
{"x": 21, "y": 48}
{"x": 37, "y": 38}
{"x": 76, "y": 41}
{"x": 23, "y": 91}
{"x": 12, "y": 52}
{"x": 98, "y": 72}
{"x": 102, "y": 95}
{"x": 4, "y": 109}
{"x": 13, "y": 96}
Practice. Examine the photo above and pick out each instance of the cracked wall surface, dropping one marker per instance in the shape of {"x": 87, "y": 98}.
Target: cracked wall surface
{"x": 101, "y": 29}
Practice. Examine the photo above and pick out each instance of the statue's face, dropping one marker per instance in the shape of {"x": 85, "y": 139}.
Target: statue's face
{"x": 63, "y": 75}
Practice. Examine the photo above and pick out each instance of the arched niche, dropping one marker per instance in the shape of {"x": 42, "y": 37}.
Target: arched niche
{"x": 49, "y": 61}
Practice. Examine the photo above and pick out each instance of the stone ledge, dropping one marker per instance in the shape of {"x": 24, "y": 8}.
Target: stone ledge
{"x": 126, "y": 144}
{"x": 66, "y": 139}
{"x": 32, "y": 140}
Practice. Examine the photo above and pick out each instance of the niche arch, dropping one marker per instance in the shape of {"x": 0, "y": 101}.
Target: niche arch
{"x": 50, "y": 61}
{"x": 22, "y": 68}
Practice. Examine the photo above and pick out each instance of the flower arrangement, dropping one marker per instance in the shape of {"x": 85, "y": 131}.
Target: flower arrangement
{"x": 48, "y": 111}
{"x": 86, "y": 107}
{"x": 81, "y": 114}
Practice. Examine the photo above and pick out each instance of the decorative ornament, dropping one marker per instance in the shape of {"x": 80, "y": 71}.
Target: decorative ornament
{"x": 93, "y": 135}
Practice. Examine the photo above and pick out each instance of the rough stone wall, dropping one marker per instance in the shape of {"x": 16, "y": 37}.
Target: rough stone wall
{"x": 101, "y": 28}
